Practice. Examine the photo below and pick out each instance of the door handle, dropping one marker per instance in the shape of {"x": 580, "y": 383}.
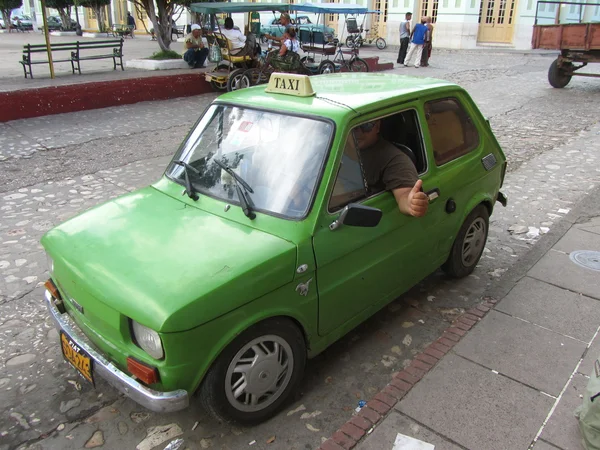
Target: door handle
{"x": 433, "y": 194}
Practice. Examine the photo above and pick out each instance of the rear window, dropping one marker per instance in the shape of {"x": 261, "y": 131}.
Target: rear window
{"x": 453, "y": 133}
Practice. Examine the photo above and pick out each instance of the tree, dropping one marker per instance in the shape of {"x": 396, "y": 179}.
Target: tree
{"x": 6, "y": 6}
{"x": 64, "y": 11}
{"x": 161, "y": 16}
{"x": 98, "y": 7}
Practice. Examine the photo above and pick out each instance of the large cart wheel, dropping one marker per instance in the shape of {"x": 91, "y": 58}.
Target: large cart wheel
{"x": 218, "y": 86}
{"x": 359, "y": 65}
{"x": 326, "y": 67}
{"x": 255, "y": 375}
{"x": 557, "y": 76}
{"x": 380, "y": 43}
{"x": 237, "y": 80}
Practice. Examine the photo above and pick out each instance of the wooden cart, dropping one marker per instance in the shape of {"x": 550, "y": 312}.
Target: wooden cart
{"x": 575, "y": 31}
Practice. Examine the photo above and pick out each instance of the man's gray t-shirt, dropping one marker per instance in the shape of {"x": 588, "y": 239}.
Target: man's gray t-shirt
{"x": 387, "y": 168}
{"x": 404, "y": 33}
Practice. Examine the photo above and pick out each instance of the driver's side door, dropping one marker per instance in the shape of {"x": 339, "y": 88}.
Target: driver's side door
{"x": 360, "y": 269}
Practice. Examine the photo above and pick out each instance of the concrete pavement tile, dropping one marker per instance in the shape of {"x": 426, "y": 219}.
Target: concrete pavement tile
{"x": 593, "y": 225}
{"x": 562, "y": 429}
{"x": 475, "y": 407}
{"x": 541, "y": 445}
{"x": 557, "y": 268}
{"x": 578, "y": 239}
{"x": 587, "y": 365}
{"x": 523, "y": 351}
{"x": 551, "y": 307}
{"x": 384, "y": 436}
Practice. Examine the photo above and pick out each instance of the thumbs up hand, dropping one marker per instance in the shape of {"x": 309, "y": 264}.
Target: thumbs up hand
{"x": 418, "y": 202}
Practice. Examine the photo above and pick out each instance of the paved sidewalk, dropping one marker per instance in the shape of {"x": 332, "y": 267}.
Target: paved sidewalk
{"x": 509, "y": 373}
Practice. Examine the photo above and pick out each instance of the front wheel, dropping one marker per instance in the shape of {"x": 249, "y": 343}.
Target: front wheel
{"x": 469, "y": 244}
{"x": 254, "y": 376}
{"x": 380, "y": 43}
{"x": 349, "y": 42}
{"x": 557, "y": 76}
{"x": 237, "y": 80}
{"x": 326, "y": 66}
{"x": 359, "y": 65}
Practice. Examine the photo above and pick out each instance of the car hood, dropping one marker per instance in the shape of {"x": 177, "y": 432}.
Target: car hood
{"x": 167, "y": 265}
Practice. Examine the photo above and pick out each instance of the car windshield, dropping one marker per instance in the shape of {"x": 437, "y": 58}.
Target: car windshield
{"x": 279, "y": 156}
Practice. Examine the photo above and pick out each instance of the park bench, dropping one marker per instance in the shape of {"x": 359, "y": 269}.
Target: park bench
{"x": 178, "y": 30}
{"x": 119, "y": 30}
{"x": 75, "y": 49}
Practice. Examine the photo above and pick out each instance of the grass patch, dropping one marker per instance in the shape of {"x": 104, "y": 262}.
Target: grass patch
{"x": 169, "y": 54}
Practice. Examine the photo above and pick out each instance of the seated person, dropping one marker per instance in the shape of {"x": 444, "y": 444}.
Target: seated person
{"x": 287, "y": 57}
{"x": 388, "y": 168}
{"x": 240, "y": 45}
{"x": 195, "y": 52}
{"x": 285, "y": 21}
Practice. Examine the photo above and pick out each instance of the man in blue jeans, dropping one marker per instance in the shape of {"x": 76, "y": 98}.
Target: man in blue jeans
{"x": 416, "y": 44}
{"x": 195, "y": 53}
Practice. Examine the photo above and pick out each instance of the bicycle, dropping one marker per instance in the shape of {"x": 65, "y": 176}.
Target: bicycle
{"x": 356, "y": 40}
{"x": 354, "y": 64}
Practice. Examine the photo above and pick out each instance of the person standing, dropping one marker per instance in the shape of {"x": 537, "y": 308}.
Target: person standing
{"x": 416, "y": 44}
{"x": 404, "y": 37}
{"x": 130, "y": 23}
{"x": 428, "y": 40}
{"x": 195, "y": 52}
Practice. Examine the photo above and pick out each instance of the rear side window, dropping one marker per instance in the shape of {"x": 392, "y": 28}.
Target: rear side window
{"x": 452, "y": 131}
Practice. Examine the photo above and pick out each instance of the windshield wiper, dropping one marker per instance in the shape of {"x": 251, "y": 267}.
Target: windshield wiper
{"x": 189, "y": 189}
{"x": 244, "y": 203}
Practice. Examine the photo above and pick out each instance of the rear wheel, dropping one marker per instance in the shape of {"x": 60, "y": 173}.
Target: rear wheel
{"x": 254, "y": 376}
{"x": 237, "y": 80}
{"x": 218, "y": 86}
{"x": 557, "y": 76}
{"x": 326, "y": 67}
{"x": 469, "y": 244}
{"x": 349, "y": 42}
{"x": 359, "y": 65}
{"x": 256, "y": 76}
{"x": 380, "y": 43}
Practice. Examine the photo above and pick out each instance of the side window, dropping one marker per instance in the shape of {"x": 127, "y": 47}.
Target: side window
{"x": 452, "y": 131}
{"x": 386, "y": 139}
{"x": 349, "y": 185}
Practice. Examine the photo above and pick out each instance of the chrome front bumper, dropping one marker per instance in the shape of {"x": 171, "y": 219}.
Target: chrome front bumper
{"x": 149, "y": 398}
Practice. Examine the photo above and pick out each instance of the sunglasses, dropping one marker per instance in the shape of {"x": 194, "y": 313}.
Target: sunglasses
{"x": 366, "y": 127}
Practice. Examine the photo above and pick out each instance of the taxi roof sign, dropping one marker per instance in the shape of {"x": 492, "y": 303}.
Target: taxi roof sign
{"x": 290, "y": 84}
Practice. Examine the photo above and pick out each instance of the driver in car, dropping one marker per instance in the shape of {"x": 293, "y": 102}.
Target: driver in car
{"x": 388, "y": 168}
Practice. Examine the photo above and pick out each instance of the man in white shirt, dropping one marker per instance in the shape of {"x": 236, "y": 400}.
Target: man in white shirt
{"x": 240, "y": 45}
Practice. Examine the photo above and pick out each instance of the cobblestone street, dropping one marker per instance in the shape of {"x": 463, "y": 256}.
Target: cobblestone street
{"x": 54, "y": 167}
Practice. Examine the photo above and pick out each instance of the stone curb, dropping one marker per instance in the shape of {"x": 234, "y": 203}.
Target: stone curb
{"x": 376, "y": 409}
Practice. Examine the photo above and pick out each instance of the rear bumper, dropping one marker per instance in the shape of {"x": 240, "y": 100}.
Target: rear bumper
{"x": 124, "y": 383}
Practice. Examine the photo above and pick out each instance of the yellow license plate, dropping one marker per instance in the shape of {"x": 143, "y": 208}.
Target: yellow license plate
{"x": 76, "y": 356}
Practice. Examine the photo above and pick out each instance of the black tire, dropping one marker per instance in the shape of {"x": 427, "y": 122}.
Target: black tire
{"x": 218, "y": 86}
{"x": 326, "y": 66}
{"x": 380, "y": 43}
{"x": 359, "y": 65}
{"x": 349, "y": 42}
{"x": 213, "y": 395}
{"x": 469, "y": 244}
{"x": 237, "y": 80}
{"x": 307, "y": 60}
{"x": 557, "y": 76}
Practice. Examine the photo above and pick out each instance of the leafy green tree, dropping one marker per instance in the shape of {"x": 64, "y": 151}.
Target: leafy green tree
{"x": 64, "y": 10}
{"x": 98, "y": 7}
{"x": 6, "y": 6}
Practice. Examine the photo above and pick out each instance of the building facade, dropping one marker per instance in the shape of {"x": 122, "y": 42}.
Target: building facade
{"x": 459, "y": 24}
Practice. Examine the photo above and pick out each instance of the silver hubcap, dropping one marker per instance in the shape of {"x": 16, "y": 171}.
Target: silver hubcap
{"x": 259, "y": 373}
{"x": 473, "y": 242}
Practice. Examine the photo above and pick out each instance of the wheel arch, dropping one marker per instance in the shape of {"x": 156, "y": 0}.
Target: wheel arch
{"x": 254, "y": 320}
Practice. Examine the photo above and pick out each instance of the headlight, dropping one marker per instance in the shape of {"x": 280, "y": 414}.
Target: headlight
{"x": 148, "y": 340}
{"x": 50, "y": 264}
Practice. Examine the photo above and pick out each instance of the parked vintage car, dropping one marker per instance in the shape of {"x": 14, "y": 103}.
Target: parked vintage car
{"x": 22, "y": 22}
{"x": 55, "y": 24}
{"x": 263, "y": 244}
{"x": 274, "y": 28}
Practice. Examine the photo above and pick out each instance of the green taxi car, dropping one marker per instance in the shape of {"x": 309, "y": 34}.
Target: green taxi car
{"x": 262, "y": 244}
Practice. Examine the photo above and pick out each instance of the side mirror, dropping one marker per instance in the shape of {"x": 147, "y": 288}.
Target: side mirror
{"x": 356, "y": 215}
